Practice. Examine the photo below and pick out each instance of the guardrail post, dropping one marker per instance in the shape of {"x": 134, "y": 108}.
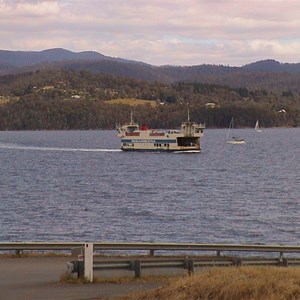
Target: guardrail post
{"x": 88, "y": 261}
{"x": 281, "y": 255}
{"x": 218, "y": 253}
{"x": 285, "y": 262}
{"x": 137, "y": 268}
{"x": 152, "y": 252}
{"x": 80, "y": 270}
{"x": 191, "y": 267}
{"x": 237, "y": 261}
{"x": 282, "y": 261}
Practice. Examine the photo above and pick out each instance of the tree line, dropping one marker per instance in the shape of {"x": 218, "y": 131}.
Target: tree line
{"x": 67, "y": 99}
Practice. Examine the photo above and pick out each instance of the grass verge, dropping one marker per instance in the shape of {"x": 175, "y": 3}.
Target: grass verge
{"x": 243, "y": 283}
{"x": 67, "y": 278}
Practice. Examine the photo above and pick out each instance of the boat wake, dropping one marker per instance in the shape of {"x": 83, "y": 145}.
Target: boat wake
{"x": 18, "y": 147}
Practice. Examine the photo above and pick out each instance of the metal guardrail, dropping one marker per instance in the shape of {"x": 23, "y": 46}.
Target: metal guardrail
{"x": 39, "y": 246}
{"x": 152, "y": 247}
{"x": 188, "y": 262}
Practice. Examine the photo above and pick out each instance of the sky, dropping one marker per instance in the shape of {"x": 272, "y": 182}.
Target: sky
{"x": 158, "y": 32}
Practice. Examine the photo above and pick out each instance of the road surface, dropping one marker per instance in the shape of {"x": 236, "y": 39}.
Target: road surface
{"x": 37, "y": 278}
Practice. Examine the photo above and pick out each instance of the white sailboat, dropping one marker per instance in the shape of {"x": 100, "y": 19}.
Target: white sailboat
{"x": 256, "y": 128}
{"x": 234, "y": 140}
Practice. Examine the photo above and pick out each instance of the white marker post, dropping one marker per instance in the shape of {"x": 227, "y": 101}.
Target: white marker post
{"x": 88, "y": 261}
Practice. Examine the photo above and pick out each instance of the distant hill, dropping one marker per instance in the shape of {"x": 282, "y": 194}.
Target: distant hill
{"x": 19, "y": 59}
{"x": 266, "y": 74}
{"x": 271, "y": 65}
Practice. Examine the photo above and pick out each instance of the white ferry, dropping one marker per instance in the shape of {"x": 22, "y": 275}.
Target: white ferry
{"x": 140, "y": 138}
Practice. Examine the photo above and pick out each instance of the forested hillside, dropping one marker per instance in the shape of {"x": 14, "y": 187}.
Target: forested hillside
{"x": 269, "y": 75}
{"x": 68, "y": 99}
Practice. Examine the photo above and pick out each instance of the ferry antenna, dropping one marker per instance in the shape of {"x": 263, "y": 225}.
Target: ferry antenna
{"x": 131, "y": 118}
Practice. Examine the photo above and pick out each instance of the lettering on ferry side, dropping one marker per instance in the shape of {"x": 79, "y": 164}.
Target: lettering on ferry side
{"x": 147, "y": 141}
{"x": 144, "y": 141}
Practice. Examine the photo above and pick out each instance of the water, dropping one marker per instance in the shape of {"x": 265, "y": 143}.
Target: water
{"x": 78, "y": 186}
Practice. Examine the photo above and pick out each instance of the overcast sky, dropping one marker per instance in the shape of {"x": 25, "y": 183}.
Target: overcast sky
{"x": 158, "y": 32}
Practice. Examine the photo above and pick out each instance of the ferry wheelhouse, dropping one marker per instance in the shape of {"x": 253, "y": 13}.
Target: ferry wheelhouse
{"x": 140, "y": 138}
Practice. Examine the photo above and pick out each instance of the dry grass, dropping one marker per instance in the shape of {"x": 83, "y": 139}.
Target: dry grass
{"x": 243, "y": 283}
{"x": 130, "y": 279}
{"x": 66, "y": 278}
{"x": 131, "y": 102}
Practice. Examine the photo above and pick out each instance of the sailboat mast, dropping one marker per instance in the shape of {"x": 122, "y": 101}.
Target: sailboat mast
{"x": 229, "y": 129}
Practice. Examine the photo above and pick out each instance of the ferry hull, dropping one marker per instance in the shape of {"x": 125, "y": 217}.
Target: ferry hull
{"x": 169, "y": 145}
{"x": 191, "y": 149}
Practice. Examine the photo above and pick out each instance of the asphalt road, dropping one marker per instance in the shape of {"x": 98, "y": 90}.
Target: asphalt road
{"x": 37, "y": 277}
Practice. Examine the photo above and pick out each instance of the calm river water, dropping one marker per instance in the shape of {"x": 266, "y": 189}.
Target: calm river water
{"x": 78, "y": 186}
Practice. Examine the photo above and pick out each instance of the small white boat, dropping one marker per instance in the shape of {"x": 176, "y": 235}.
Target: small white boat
{"x": 256, "y": 128}
{"x": 233, "y": 140}
{"x": 139, "y": 138}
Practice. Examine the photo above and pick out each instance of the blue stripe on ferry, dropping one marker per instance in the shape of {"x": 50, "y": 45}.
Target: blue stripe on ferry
{"x": 149, "y": 141}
